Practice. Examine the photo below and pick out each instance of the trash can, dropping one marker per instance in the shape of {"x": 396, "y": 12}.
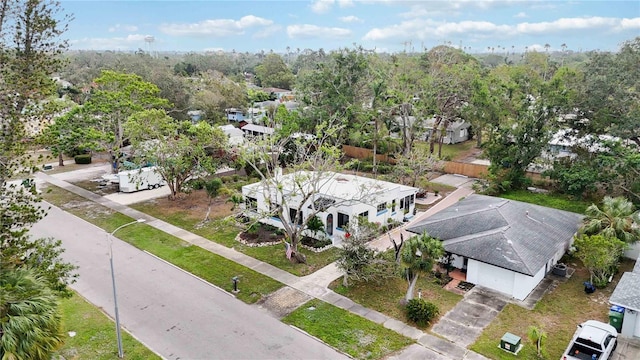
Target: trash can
{"x": 616, "y": 316}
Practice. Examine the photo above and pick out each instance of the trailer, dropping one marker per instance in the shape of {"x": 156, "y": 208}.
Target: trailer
{"x": 140, "y": 179}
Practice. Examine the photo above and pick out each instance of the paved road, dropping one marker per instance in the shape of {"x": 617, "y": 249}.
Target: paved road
{"x": 175, "y": 314}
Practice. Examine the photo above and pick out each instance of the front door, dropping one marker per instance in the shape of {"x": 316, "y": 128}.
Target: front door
{"x": 330, "y": 224}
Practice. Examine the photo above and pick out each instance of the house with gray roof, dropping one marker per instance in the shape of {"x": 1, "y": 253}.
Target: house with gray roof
{"x": 502, "y": 244}
{"x": 627, "y": 295}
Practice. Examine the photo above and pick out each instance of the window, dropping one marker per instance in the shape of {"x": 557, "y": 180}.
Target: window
{"x": 382, "y": 206}
{"x": 251, "y": 204}
{"x": 292, "y": 216}
{"x": 393, "y": 205}
{"x": 274, "y": 209}
{"x": 364, "y": 215}
{"x": 402, "y": 203}
{"x": 343, "y": 220}
{"x": 412, "y": 199}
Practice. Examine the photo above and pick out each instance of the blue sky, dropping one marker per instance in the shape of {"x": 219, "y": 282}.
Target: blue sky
{"x": 384, "y": 25}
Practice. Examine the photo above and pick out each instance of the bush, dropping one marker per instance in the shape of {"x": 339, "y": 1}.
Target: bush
{"x": 225, "y": 179}
{"x": 421, "y": 312}
{"x": 235, "y": 177}
{"x": 195, "y": 184}
{"x": 315, "y": 243}
{"x": 82, "y": 159}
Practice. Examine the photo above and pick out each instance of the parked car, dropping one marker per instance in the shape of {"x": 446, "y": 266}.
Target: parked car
{"x": 593, "y": 340}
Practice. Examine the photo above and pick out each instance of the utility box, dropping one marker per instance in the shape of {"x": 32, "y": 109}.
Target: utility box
{"x": 511, "y": 343}
{"x": 616, "y": 316}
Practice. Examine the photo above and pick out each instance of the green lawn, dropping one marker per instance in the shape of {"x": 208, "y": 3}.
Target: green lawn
{"x": 347, "y": 332}
{"x": 223, "y": 231}
{"x": 555, "y": 201}
{"x": 95, "y": 336}
{"x": 200, "y": 262}
{"x": 386, "y": 296}
{"x": 558, "y": 314}
{"x": 450, "y": 151}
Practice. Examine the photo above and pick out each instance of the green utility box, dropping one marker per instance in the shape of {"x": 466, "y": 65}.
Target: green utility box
{"x": 616, "y": 316}
{"x": 511, "y": 343}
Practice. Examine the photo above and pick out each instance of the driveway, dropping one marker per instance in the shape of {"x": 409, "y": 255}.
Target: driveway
{"x": 172, "y": 312}
{"x": 465, "y": 322}
{"x": 627, "y": 350}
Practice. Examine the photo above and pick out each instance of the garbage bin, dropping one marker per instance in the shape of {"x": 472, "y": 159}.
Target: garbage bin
{"x": 616, "y": 316}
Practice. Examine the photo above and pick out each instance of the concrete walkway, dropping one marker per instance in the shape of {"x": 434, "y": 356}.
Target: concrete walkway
{"x": 432, "y": 347}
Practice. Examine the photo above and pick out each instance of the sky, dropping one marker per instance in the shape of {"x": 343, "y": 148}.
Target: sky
{"x": 380, "y": 25}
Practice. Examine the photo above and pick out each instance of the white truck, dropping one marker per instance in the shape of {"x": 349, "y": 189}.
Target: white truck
{"x": 140, "y": 179}
{"x": 593, "y": 340}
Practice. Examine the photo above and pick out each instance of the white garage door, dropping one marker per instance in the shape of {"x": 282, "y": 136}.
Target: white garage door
{"x": 494, "y": 277}
{"x": 636, "y": 332}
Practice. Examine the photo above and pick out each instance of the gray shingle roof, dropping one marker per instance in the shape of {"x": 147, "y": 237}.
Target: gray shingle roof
{"x": 627, "y": 292}
{"x": 510, "y": 234}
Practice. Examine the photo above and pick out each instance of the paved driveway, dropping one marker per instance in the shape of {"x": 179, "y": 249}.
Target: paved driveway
{"x": 465, "y": 322}
{"x": 175, "y": 314}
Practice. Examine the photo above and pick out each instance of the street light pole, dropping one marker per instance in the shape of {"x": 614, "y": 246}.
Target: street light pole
{"x": 113, "y": 281}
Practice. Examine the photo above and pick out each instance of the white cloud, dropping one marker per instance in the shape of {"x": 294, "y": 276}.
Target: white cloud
{"x": 307, "y": 31}
{"x": 323, "y": 6}
{"x": 121, "y": 27}
{"x": 217, "y": 27}
{"x": 520, "y": 15}
{"x": 267, "y": 31}
{"x": 351, "y": 19}
{"x": 421, "y": 28}
{"x": 130, "y": 42}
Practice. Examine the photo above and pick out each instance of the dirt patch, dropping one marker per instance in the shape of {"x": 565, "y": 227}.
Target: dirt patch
{"x": 283, "y": 301}
{"x": 261, "y": 234}
{"x": 195, "y": 205}
{"x": 469, "y": 156}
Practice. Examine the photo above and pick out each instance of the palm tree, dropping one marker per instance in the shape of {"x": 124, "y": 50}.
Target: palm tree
{"x": 418, "y": 256}
{"x": 537, "y": 336}
{"x": 617, "y": 219}
{"x": 29, "y": 317}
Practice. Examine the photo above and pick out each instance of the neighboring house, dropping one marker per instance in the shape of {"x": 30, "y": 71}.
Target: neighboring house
{"x": 505, "y": 245}
{"x": 565, "y": 141}
{"x": 195, "y": 115}
{"x": 235, "y": 135}
{"x": 253, "y": 130}
{"x": 627, "y": 295}
{"x": 339, "y": 197}
{"x": 234, "y": 114}
{"x": 278, "y": 93}
{"x": 456, "y": 132}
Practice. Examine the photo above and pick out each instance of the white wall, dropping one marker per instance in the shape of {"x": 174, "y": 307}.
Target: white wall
{"x": 630, "y": 324}
{"x": 490, "y": 276}
{"x": 505, "y": 281}
{"x": 457, "y": 261}
{"x": 633, "y": 252}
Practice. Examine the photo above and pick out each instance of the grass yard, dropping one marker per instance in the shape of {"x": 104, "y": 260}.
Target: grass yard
{"x": 386, "y": 296}
{"x": 347, "y": 332}
{"x": 95, "y": 336}
{"x": 556, "y": 201}
{"x": 450, "y": 151}
{"x": 200, "y": 262}
{"x": 188, "y": 213}
{"x": 558, "y": 314}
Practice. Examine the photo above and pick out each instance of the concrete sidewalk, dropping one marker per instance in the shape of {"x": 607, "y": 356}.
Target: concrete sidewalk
{"x": 315, "y": 285}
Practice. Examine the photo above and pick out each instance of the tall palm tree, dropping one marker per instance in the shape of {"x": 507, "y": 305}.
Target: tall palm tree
{"x": 29, "y": 318}
{"x": 616, "y": 218}
{"x": 418, "y": 256}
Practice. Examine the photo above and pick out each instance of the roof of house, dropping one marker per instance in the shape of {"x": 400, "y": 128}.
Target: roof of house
{"x": 340, "y": 186}
{"x": 453, "y": 125}
{"x": 231, "y": 130}
{"x": 627, "y": 292}
{"x": 509, "y": 234}
{"x": 258, "y": 128}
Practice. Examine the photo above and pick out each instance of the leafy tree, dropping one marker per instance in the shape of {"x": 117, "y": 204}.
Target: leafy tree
{"x": 213, "y": 93}
{"x": 30, "y": 324}
{"x": 413, "y": 166}
{"x": 115, "y": 98}
{"x": 273, "y": 72}
{"x": 29, "y": 53}
{"x": 617, "y": 218}
{"x": 180, "y": 151}
{"x": 418, "y": 255}
{"x": 357, "y": 260}
{"x": 600, "y": 255}
{"x": 212, "y": 187}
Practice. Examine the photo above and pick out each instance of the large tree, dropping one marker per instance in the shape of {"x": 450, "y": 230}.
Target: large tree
{"x": 600, "y": 255}
{"x": 30, "y": 324}
{"x": 418, "y": 256}
{"x": 114, "y": 98}
{"x": 616, "y": 218}
{"x": 273, "y": 72}
{"x": 179, "y": 150}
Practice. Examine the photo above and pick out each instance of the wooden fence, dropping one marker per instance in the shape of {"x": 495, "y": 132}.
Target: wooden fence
{"x": 364, "y": 153}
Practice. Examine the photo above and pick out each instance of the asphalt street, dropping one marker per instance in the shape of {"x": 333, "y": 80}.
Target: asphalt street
{"x": 173, "y": 313}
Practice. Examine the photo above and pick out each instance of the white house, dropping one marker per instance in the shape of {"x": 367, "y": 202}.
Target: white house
{"x": 235, "y": 135}
{"x": 501, "y": 244}
{"x": 336, "y": 199}
{"x": 627, "y": 296}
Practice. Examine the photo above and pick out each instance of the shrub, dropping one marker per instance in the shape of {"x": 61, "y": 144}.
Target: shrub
{"x": 316, "y": 243}
{"x": 225, "y": 179}
{"x": 195, "y": 184}
{"x": 235, "y": 177}
{"x": 82, "y": 159}
{"x": 421, "y": 312}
